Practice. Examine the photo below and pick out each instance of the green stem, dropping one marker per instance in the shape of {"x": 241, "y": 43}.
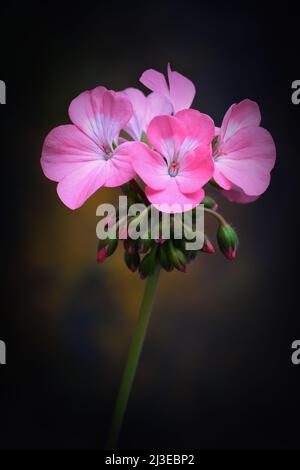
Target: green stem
{"x": 216, "y": 215}
{"x": 133, "y": 358}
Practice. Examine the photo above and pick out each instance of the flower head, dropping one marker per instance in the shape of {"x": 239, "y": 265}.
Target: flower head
{"x": 179, "y": 90}
{"x": 179, "y": 162}
{"x": 244, "y": 154}
{"x": 86, "y": 155}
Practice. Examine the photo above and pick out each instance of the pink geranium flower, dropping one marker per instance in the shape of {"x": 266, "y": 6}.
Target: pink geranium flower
{"x": 86, "y": 155}
{"x": 180, "y": 91}
{"x": 244, "y": 154}
{"x": 145, "y": 108}
{"x": 180, "y": 162}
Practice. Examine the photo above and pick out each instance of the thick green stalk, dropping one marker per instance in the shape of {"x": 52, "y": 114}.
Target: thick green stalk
{"x": 133, "y": 358}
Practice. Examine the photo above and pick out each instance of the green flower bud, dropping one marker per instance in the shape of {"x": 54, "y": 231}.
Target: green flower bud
{"x": 227, "y": 240}
{"x": 177, "y": 257}
{"x": 163, "y": 258}
{"x": 145, "y": 244}
{"x": 209, "y": 203}
{"x": 148, "y": 264}
{"x": 132, "y": 260}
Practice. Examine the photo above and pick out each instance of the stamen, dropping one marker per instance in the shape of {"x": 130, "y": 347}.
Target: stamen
{"x": 174, "y": 168}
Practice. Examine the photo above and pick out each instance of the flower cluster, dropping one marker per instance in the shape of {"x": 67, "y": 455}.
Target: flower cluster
{"x": 164, "y": 150}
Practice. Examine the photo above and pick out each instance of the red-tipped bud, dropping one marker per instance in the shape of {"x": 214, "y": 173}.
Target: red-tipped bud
{"x": 163, "y": 258}
{"x": 228, "y": 241}
{"x": 148, "y": 264}
{"x": 130, "y": 246}
{"x": 177, "y": 257}
{"x": 132, "y": 260}
{"x": 106, "y": 248}
{"x": 102, "y": 254}
{"x": 207, "y": 246}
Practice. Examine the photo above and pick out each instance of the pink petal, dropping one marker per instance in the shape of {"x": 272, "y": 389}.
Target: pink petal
{"x": 171, "y": 196}
{"x": 196, "y": 169}
{"x": 220, "y": 178}
{"x": 250, "y": 156}
{"x": 157, "y": 105}
{"x": 166, "y": 134}
{"x": 100, "y": 114}
{"x": 75, "y": 188}
{"x": 237, "y": 195}
{"x": 149, "y": 165}
{"x": 200, "y": 128}
{"x": 136, "y": 125}
{"x": 155, "y": 81}
{"x": 244, "y": 114}
{"x": 145, "y": 108}
{"x": 117, "y": 111}
{"x": 66, "y": 149}
{"x": 119, "y": 168}
{"x": 182, "y": 90}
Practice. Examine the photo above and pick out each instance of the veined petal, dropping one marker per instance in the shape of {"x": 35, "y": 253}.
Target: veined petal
{"x": 166, "y": 134}
{"x": 117, "y": 111}
{"x": 75, "y": 188}
{"x": 100, "y": 114}
{"x": 149, "y": 165}
{"x": 136, "y": 125}
{"x": 220, "y": 179}
{"x": 145, "y": 108}
{"x": 250, "y": 156}
{"x": 200, "y": 128}
{"x": 66, "y": 148}
{"x": 244, "y": 114}
{"x": 196, "y": 169}
{"x": 182, "y": 90}
{"x": 254, "y": 143}
{"x": 250, "y": 175}
{"x": 119, "y": 167}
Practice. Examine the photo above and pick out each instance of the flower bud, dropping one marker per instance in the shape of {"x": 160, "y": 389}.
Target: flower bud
{"x": 130, "y": 245}
{"x": 132, "y": 260}
{"x": 207, "y": 246}
{"x": 228, "y": 241}
{"x": 148, "y": 264}
{"x": 163, "y": 258}
{"x": 209, "y": 203}
{"x": 145, "y": 244}
{"x": 177, "y": 257}
{"x": 106, "y": 247}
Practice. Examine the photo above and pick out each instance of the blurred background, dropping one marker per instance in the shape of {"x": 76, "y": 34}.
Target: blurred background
{"x": 216, "y": 370}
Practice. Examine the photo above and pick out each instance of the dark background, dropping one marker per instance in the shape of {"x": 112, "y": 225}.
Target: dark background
{"x": 216, "y": 369}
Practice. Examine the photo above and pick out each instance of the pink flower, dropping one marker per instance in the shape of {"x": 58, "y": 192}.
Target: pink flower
{"x": 181, "y": 162}
{"x": 244, "y": 155}
{"x": 145, "y": 108}
{"x": 180, "y": 91}
{"x": 86, "y": 155}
